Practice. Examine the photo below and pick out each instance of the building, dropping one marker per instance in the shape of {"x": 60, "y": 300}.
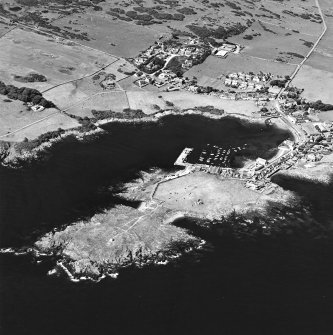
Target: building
{"x": 261, "y": 161}
{"x": 221, "y": 53}
{"x": 37, "y": 108}
{"x": 228, "y": 82}
{"x": 292, "y": 119}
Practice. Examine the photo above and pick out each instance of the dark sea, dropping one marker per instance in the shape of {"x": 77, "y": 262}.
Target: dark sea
{"x": 241, "y": 282}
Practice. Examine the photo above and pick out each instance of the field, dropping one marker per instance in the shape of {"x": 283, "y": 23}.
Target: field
{"x": 15, "y": 116}
{"x": 4, "y": 28}
{"x": 184, "y": 100}
{"x": 204, "y": 194}
{"x": 326, "y": 116}
{"x": 317, "y": 83}
{"x": 115, "y": 101}
{"x": 122, "y": 38}
{"x": 121, "y": 65}
{"x": 54, "y": 122}
{"x": 213, "y": 66}
{"x": 147, "y": 101}
{"x": 289, "y": 15}
{"x": 65, "y": 95}
{"x": 275, "y": 43}
{"x": 23, "y": 52}
{"x": 316, "y": 76}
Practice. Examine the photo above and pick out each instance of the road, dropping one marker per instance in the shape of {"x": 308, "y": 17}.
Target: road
{"x": 76, "y": 79}
{"x": 299, "y": 66}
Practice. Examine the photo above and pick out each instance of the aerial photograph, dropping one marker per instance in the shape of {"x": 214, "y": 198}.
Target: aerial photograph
{"x": 166, "y": 167}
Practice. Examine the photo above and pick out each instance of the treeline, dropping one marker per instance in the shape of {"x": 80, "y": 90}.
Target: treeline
{"x": 30, "y": 78}
{"x": 279, "y": 82}
{"x": 320, "y": 106}
{"x": 153, "y": 12}
{"x": 218, "y": 33}
{"x": 210, "y": 109}
{"x": 28, "y": 145}
{"x": 127, "y": 113}
{"x": 156, "y": 64}
{"x": 25, "y": 94}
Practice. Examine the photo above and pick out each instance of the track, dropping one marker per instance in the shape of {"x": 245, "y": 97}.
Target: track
{"x": 299, "y": 66}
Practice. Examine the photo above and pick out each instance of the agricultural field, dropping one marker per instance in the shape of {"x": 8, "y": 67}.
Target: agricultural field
{"x": 23, "y": 52}
{"x": 115, "y": 101}
{"x": 317, "y": 84}
{"x": 274, "y": 43}
{"x": 185, "y": 100}
{"x": 122, "y": 38}
{"x": 14, "y": 116}
{"x": 73, "y": 92}
{"x": 316, "y": 76}
{"x": 213, "y": 66}
{"x": 121, "y": 69}
{"x": 65, "y": 95}
{"x": 149, "y": 102}
{"x": 297, "y": 15}
{"x": 4, "y": 28}
{"x": 326, "y": 116}
{"x": 51, "y": 123}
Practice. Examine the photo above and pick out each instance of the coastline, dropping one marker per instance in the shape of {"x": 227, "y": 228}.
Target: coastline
{"x": 122, "y": 236}
{"x": 12, "y": 158}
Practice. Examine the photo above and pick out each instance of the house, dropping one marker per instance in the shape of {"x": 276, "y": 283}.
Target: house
{"x": 108, "y": 84}
{"x": 321, "y": 127}
{"x": 37, "y": 108}
{"x": 221, "y": 53}
{"x": 233, "y": 75}
{"x": 228, "y": 47}
{"x": 311, "y": 157}
{"x": 234, "y": 83}
{"x": 228, "y": 82}
{"x": 193, "y": 88}
{"x": 261, "y": 161}
{"x": 251, "y": 87}
{"x": 141, "y": 82}
{"x": 241, "y": 76}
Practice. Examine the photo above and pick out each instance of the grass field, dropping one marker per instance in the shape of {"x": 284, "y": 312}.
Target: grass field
{"x": 326, "y": 116}
{"x": 204, "y": 194}
{"x": 317, "y": 84}
{"x": 184, "y": 100}
{"x": 115, "y": 37}
{"x": 52, "y": 123}
{"x": 115, "y": 101}
{"x": 4, "y": 28}
{"x": 213, "y": 66}
{"x": 22, "y": 52}
{"x": 15, "y": 116}
{"x": 316, "y": 76}
{"x": 289, "y": 21}
{"x": 65, "y": 95}
{"x": 275, "y": 43}
{"x": 145, "y": 101}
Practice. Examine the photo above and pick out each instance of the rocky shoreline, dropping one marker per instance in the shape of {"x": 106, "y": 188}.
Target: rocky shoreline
{"x": 10, "y": 157}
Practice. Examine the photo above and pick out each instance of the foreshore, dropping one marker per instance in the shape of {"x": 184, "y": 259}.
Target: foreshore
{"x": 13, "y": 158}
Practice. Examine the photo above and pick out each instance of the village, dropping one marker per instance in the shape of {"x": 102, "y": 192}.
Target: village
{"x": 163, "y": 66}
{"x": 312, "y": 141}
